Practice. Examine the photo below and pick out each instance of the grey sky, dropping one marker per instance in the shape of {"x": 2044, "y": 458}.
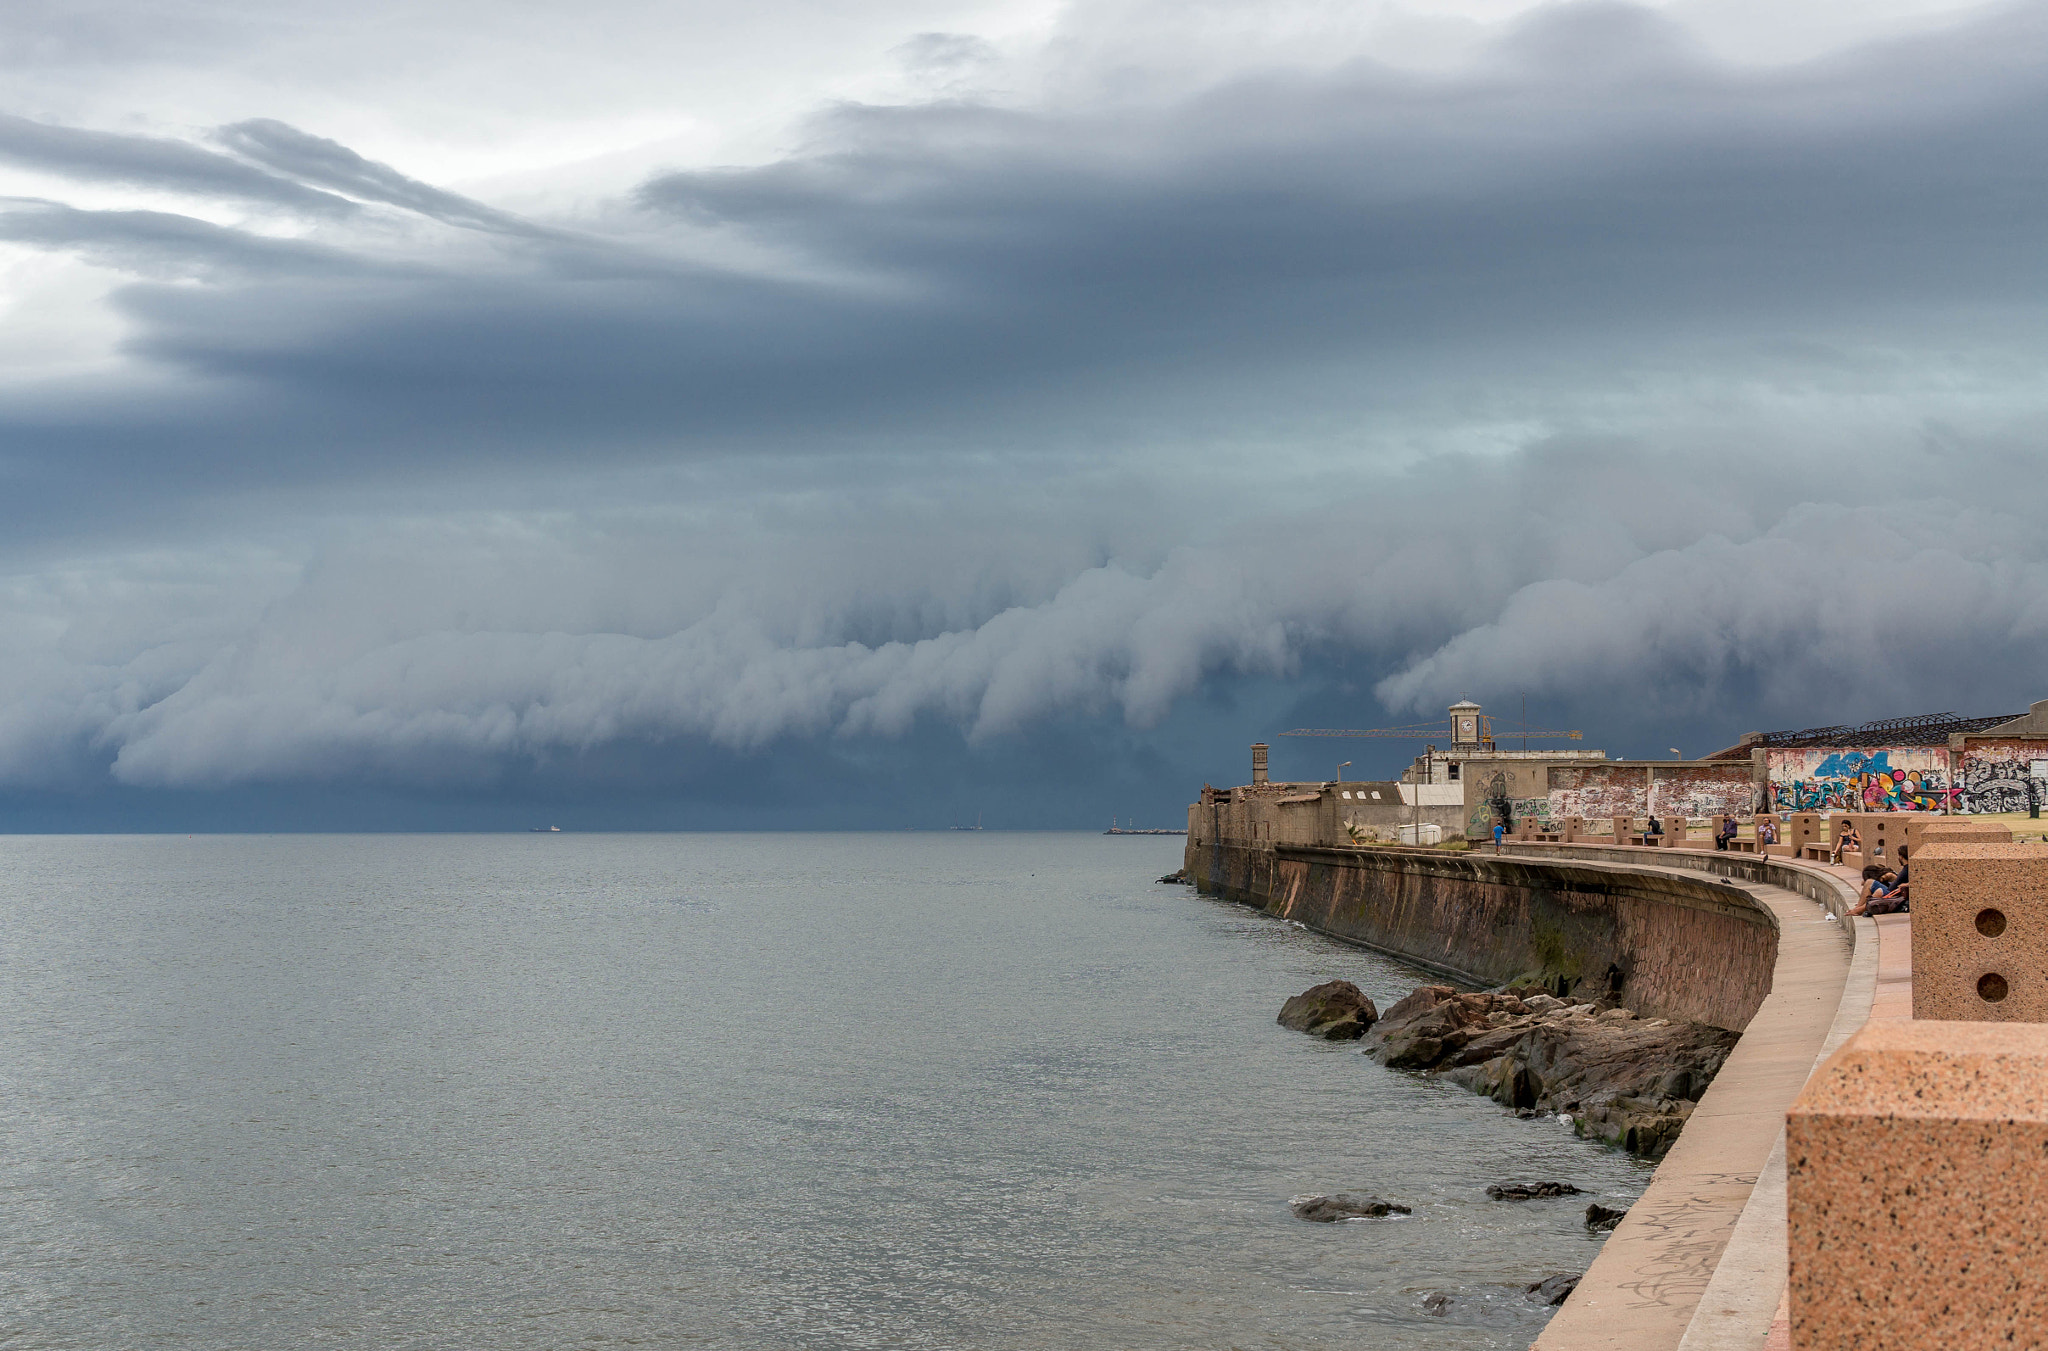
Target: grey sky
{"x": 894, "y": 387}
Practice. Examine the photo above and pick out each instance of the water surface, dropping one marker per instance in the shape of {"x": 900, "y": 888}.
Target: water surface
{"x": 969, "y": 1090}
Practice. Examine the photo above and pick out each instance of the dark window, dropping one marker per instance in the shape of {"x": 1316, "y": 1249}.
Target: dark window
{"x": 1454, "y": 771}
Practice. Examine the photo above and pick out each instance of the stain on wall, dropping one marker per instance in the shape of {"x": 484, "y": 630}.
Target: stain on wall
{"x": 1878, "y": 779}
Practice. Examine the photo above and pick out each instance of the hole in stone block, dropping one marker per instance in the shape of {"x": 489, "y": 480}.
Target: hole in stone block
{"x": 1990, "y": 923}
{"x": 1991, "y": 988}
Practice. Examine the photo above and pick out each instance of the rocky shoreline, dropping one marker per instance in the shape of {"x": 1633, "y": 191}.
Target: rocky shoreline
{"x": 1627, "y": 1081}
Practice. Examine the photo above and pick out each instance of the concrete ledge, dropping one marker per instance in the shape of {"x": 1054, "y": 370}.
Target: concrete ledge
{"x": 1700, "y": 1261}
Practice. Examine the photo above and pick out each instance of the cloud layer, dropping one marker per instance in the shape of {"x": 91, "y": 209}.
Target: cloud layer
{"x": 1089, "y": 383}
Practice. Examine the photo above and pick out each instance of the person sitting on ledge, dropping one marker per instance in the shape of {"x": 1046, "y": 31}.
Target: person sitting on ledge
{"x": 1766, "y": 831}
{"x": 1879, "y": 895}
{"x": 1847, "y": 841}
{"x": 1899, "y": 887}
{"x": 1725, "y": 836}
{"x": 1653, "y": 827}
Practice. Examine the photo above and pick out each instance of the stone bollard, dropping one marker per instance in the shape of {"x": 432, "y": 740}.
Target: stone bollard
{"x": 1572, "y": 828}
{"x": 1916, "y": 1203}
{"x": 1624, "y": 826}
{"x": 1803, "y": 829}
{"x": 1959, "y": 830}
{"x": 1525, "y": 828}
{"x": 1980, "y": 931}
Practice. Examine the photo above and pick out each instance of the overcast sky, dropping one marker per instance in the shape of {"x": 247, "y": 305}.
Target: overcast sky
{"x": 471, "y": 415}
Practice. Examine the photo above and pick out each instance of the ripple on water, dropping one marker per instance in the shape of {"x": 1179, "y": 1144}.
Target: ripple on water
{"x": 963, "y": 1090}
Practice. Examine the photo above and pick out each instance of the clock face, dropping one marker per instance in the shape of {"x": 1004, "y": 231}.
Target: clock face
{"x": 1465, "y": 728}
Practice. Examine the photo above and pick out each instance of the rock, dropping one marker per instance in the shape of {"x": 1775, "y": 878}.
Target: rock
{"x": 1436, "y": 1302}
{"x": 1336, "y": 1009}
{"x": 1600, "y": 1217}
{"x": 1553, "y": 1290}
{"x": 1345, "y": 1206}
{"x": 1180, "y": 877}
{"x": 1530, "y": 1191}
{"x": 1629, "y": 1081}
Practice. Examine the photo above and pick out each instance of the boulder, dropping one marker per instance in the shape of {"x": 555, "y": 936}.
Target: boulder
{"x": 1345, "y": 1206}
{"x": 1530, "y": 1191}
{"x": 1180, "y": 877}
{"x": 1600, "y": 1217}
{"x": 1553, "y": 1289}
{"x": 1436, "y": 1302}
{"x": 1627, "y": 1080}
{"x": 1336, "y": 1009}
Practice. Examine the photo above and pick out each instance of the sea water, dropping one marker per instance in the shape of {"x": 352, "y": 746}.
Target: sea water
{"x": 961, "y": 1090}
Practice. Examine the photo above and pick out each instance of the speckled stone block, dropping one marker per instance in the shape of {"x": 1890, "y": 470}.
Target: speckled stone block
{"x": 1572, "y": 828}
{"x": 1805, "y": 828}
{"x": 1956, "y": 830}
{"x": 1917, "y": 1190}
{"x": 1980, "y": 932}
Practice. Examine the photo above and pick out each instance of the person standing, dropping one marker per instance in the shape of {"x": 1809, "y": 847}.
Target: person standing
{"x": 1500, "y": 830}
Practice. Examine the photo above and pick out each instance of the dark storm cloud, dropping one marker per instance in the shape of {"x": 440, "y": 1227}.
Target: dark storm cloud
{"x": 1594, "y": 191}
{"x": 155, "y": 162}
{"x": 989, "y": 429}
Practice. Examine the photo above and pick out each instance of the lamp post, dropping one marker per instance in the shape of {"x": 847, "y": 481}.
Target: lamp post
{"x": 1340, "y": 770}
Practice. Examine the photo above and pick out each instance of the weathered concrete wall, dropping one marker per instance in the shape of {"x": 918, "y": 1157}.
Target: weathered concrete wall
{"x": 1598, "y": 792}
{"x": 1679, "y": 948}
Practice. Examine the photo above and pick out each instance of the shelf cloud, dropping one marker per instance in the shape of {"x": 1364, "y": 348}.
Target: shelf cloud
{"x": 1080, "y": 382}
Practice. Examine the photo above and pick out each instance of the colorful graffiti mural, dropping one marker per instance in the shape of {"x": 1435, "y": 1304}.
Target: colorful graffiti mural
{"x": 1887, "y": 779}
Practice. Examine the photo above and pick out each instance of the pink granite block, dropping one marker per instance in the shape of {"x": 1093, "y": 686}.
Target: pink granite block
{"x": 1916, "y": 1191}
{"x": 1980, "y": 932}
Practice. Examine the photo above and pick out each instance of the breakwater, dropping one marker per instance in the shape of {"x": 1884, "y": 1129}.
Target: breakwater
{"x": 1683, "y": 948}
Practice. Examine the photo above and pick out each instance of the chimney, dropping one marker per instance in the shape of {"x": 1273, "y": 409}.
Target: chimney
{"x": 1258, "y": 762}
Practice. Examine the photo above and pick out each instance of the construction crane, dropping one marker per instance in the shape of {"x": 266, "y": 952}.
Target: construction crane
{"x": 1477, "y": 730}
{"x": 1428, "y": 731}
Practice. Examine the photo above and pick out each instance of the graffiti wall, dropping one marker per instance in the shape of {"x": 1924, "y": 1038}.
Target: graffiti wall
{"x": 1879, "y": 779}
{"x": 2005, "y": 776}
{"x": 1496, "y": 795}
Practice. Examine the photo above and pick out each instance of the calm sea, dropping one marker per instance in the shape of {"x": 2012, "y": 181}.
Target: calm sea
{"x": 729, "y": 1091}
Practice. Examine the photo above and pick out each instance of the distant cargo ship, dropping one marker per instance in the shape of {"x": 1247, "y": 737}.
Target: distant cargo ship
{"x": 1115, "y": 829}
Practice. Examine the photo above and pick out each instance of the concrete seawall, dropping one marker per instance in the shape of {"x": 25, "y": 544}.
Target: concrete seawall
{"x": 1758, "y": 945}
{"x": 1667, "y": 946}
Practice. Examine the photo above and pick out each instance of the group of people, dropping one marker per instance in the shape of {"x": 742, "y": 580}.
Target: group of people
{"x": 1884, "y": 892}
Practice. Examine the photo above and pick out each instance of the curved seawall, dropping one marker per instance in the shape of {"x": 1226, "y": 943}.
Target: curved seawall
{"x": 1756, "y": 945}
{"x": 1666, "y": 946}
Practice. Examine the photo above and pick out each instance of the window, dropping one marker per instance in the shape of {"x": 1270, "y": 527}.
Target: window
{"x": 1454, "y": 771}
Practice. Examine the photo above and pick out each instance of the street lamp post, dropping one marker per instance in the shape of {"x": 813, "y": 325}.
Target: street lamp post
{"x": 1340, "y": 770}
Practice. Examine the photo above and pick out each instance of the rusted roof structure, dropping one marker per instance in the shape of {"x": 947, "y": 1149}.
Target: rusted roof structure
{"x": 1927, "y": 729}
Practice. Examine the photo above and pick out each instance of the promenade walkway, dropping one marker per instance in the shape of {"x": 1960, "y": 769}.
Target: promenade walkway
{"x": 1699, "y": 1265}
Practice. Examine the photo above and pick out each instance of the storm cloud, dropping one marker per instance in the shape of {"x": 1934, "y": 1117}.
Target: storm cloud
{"x": 1089, "y": 390}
